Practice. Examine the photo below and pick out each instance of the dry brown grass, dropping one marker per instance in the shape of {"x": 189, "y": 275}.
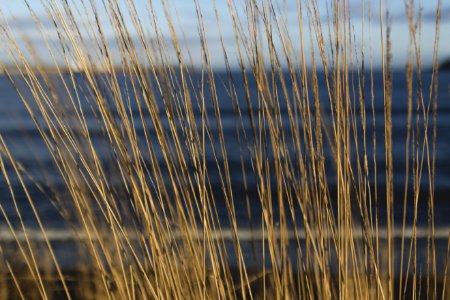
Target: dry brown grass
{"x": 157, "y": 233}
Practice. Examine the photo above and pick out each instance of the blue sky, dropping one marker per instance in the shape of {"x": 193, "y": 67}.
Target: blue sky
{"x": 23, "y": 24}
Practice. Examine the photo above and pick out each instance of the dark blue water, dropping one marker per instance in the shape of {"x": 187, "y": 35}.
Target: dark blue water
{"x": 24, "y": 141}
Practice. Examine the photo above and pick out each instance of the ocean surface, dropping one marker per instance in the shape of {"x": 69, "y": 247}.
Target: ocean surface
{"x": 25, "y": 143}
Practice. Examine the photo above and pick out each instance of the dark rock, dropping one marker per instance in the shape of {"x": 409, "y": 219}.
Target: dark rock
{"x": 445, "y": 66}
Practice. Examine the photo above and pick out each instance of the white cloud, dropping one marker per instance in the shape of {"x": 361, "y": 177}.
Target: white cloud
{"x": 187, "y": 22}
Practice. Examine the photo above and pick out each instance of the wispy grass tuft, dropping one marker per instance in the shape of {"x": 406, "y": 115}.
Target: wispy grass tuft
{"x": 138, "y": 139}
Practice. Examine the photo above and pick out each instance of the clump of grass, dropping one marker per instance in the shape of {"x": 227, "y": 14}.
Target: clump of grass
{"x": 137, "y": 180}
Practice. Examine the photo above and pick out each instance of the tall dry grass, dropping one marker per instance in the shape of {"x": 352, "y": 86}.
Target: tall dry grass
{"x": 144, "y": 210}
